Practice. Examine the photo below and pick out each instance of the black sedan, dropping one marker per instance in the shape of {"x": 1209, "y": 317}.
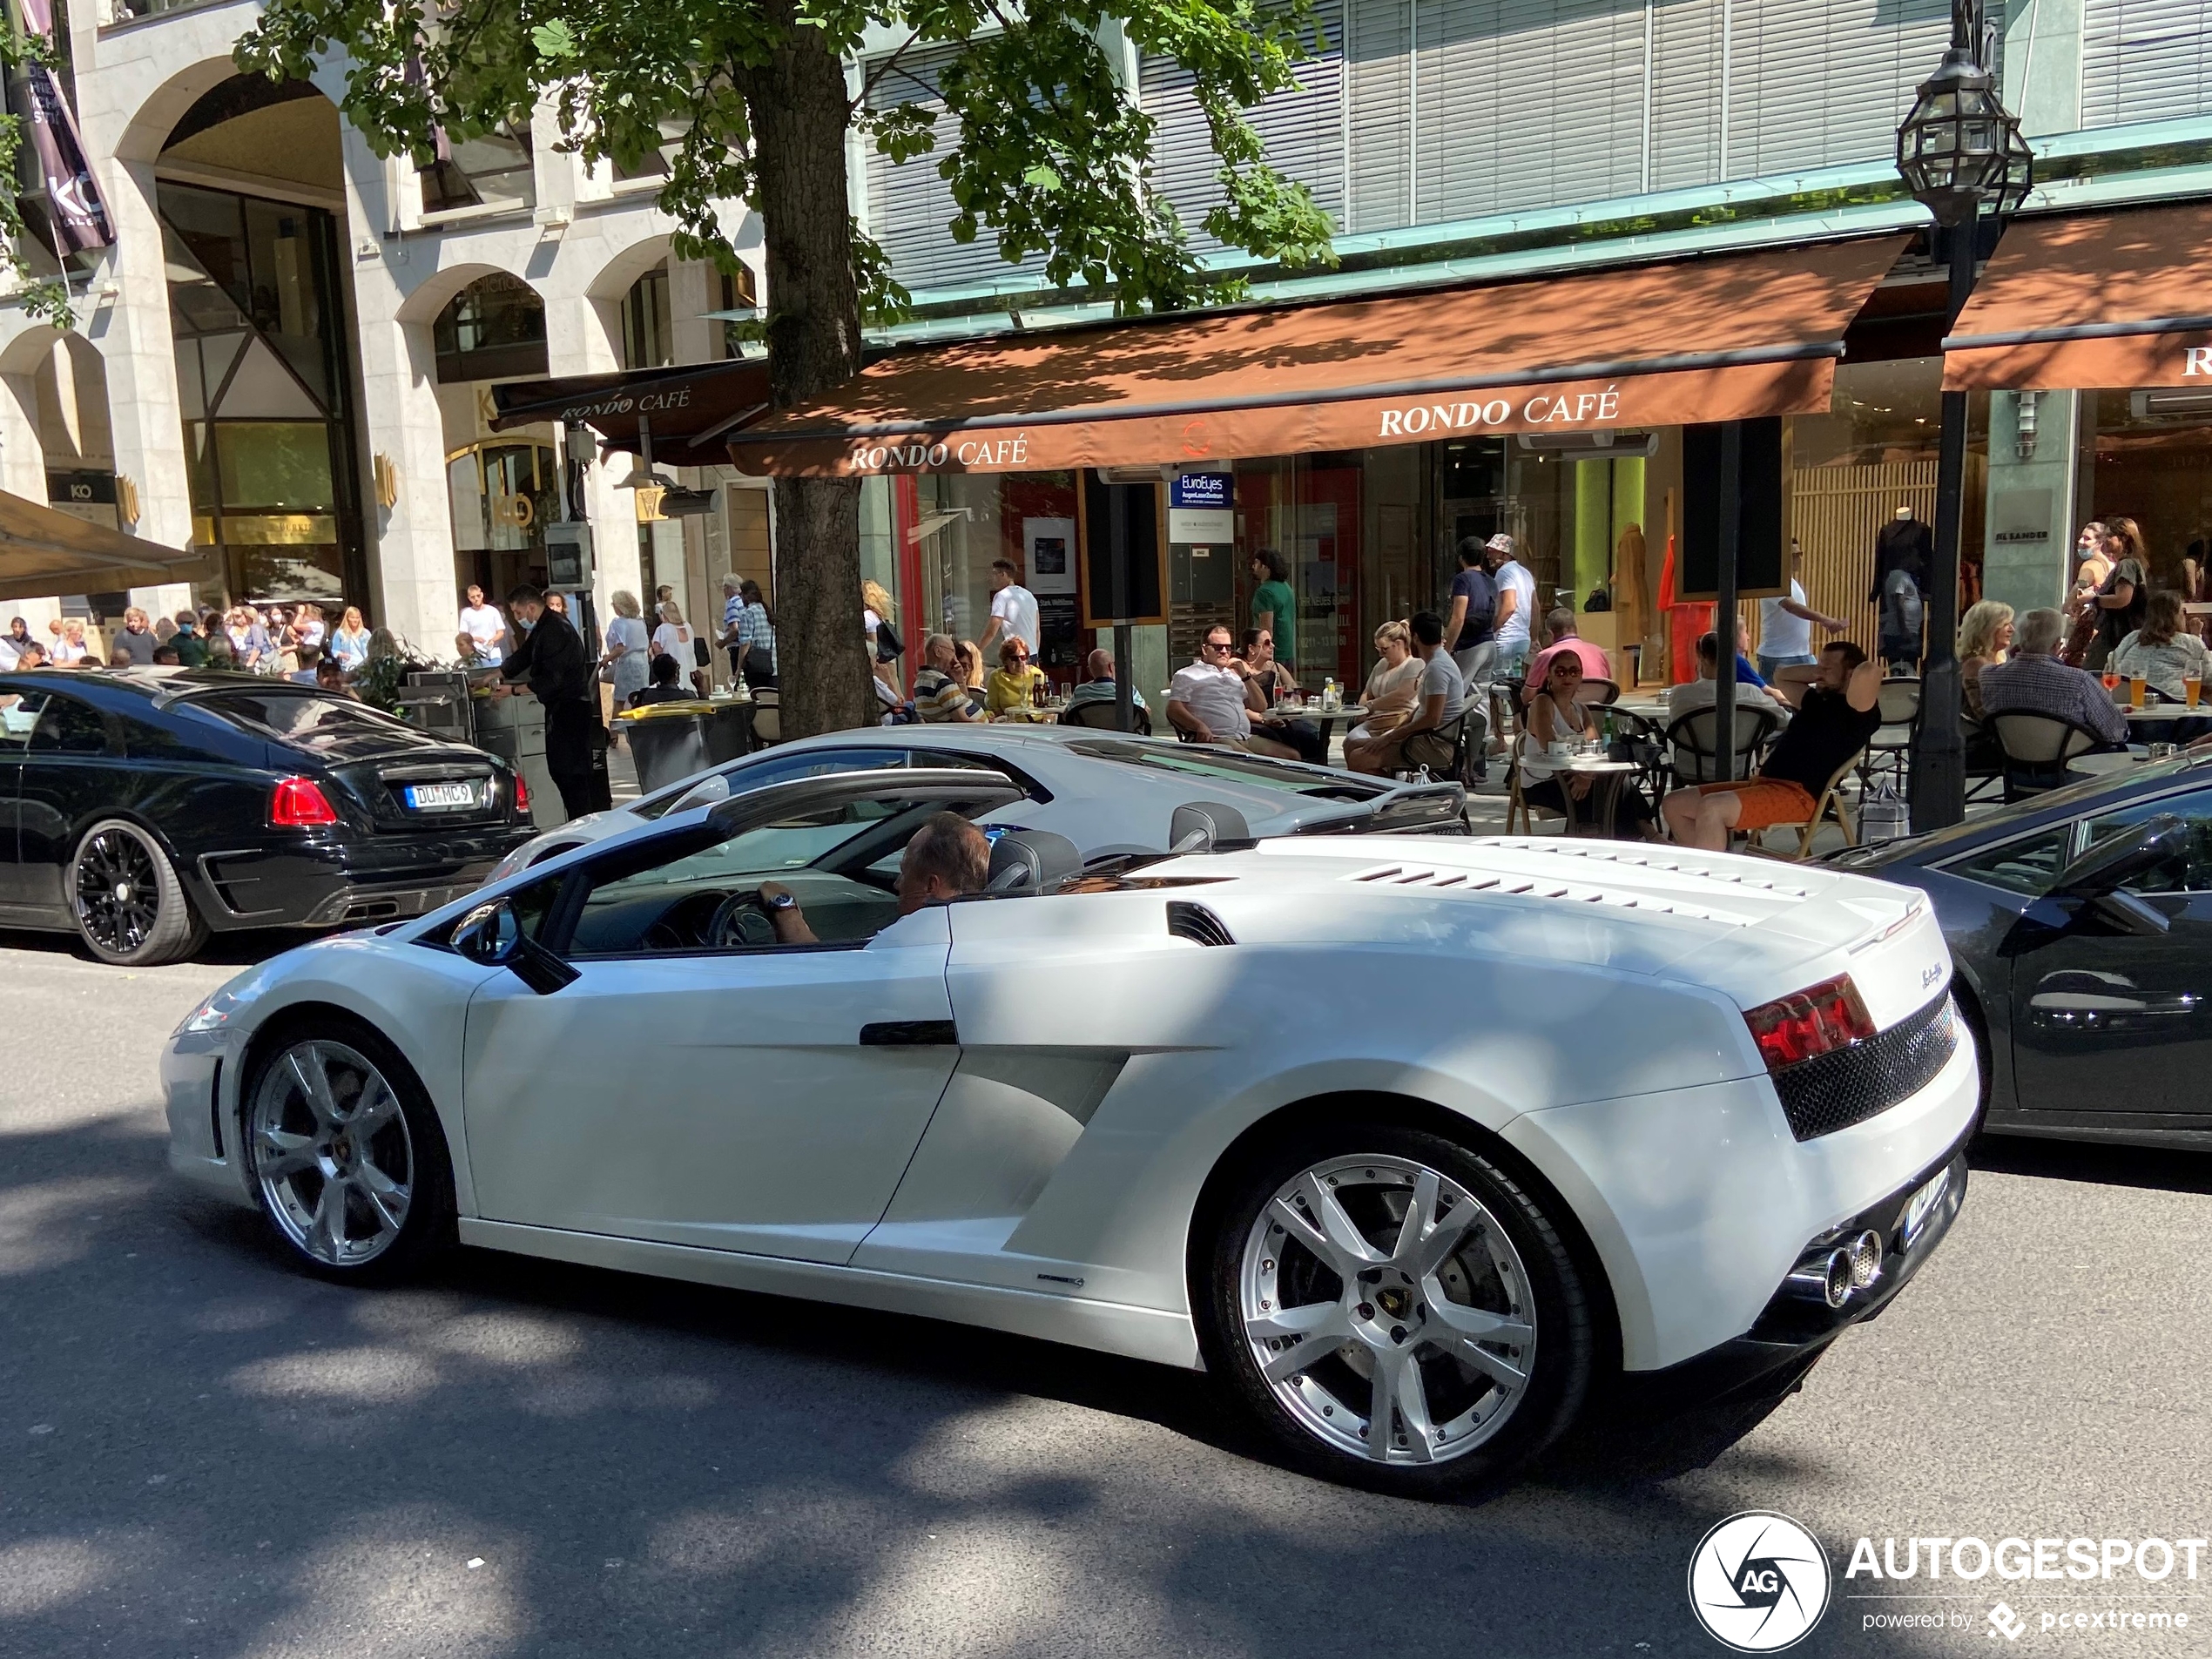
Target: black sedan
{"x": 2080, "y": 923}
{"x": 142, "y": 808}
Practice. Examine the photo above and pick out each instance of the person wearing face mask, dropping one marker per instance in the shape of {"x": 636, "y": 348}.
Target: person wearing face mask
{"x": 551, "y": 657}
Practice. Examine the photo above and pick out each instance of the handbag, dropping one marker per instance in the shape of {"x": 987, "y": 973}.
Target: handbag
{"x": 699, "y": 657}
{"x": 889, "y": 648}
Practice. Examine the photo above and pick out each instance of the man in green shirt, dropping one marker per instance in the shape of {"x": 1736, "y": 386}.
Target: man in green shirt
{"x": 1274, "y": 611}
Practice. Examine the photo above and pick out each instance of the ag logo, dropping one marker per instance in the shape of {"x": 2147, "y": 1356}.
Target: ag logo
{"x": 1758, "y": 1582}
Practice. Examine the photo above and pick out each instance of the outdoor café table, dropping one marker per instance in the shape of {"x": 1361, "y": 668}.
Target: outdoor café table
{"x": 1607, "y": 778}
{"x": 1312, "y": 710}
{"x": 2157, "y": 711}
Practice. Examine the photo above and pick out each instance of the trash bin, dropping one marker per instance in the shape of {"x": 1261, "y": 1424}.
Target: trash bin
{"x": 669, "y": 742}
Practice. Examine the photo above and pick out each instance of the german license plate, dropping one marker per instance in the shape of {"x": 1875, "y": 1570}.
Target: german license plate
{"x": 427, "y": 797}
{"x": 1922, "y": 1205}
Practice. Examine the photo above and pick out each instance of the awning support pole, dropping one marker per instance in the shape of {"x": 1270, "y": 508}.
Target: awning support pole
{"x": 1937, "y": 784}
{"x": 1731, "y": 526}
{"x": 1118, "y": 557}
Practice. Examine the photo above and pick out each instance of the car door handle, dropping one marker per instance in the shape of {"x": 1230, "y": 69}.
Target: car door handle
{"x": 908, "y": 1034}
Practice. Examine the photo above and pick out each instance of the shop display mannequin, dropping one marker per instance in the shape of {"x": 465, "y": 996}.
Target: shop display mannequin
{"x": 1904, "y": 543}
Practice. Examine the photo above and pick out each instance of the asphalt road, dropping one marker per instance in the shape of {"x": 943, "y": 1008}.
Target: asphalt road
{"x": 203, "y": 1452}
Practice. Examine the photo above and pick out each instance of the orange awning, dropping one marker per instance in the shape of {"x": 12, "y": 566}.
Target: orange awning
{"x": 2088, "y": 301}
{"x": 1713, "y": 339}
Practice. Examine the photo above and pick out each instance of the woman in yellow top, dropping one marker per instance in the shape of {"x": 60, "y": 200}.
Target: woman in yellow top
{"x": 1013, "y": 685}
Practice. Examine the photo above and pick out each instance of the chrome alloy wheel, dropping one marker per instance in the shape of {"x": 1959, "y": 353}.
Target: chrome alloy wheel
{"x": 118, "y": 891}
{"x": 1388, "y": 1310}
{"x": 332, "y": 1153}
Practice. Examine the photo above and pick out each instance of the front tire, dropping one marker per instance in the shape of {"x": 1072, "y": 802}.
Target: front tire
{"x": 1394, "y": 1311}
{"x": 130, "y": 908}
{"x": 347, "y": 1157}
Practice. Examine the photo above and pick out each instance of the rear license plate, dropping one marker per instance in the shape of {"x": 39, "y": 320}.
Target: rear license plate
{"x": 1922, "y": 1205}
{"x": 427, "y": 797}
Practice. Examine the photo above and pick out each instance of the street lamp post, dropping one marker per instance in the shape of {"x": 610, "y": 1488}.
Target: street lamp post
{"x": 1959, "y": 150}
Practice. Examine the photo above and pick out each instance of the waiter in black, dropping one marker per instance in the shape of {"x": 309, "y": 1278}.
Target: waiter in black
{"x": 552, "y": 657}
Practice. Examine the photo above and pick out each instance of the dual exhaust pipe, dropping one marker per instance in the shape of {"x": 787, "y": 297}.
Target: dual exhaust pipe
{"x": 1829, "y": 1275}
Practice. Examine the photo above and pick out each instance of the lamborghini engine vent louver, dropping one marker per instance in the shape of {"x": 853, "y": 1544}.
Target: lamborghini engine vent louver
{"x": 1198, "y": 924}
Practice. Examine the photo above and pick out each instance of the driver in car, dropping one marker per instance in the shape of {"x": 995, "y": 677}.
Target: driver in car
{"x": 948, "y": 857}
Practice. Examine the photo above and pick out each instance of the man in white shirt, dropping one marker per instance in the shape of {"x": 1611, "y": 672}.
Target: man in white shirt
{"x": 1785, "y": 626}
{"x": 1014, "y": 610}
{"x": 1206, "y": 699}
{"x": 1517, "y": 604}
{"x": 484, "y": 624}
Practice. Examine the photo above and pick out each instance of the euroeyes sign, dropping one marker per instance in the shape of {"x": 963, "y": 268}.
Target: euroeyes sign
{"x": 1215, "y": 489}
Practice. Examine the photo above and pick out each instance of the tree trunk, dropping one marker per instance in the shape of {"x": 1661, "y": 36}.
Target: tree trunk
{"x": 797, "y": 104}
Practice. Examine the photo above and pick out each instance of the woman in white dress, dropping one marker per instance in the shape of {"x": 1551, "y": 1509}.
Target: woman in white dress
{"x": 628, "y": 652}
{"x": 673, "y": 638}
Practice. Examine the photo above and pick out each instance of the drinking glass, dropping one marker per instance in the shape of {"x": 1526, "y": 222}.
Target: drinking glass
{"x": 2134, "y": 691}
{"x": 2192, "y": 688}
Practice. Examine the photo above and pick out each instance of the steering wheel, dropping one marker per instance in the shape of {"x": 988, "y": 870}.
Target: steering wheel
{"x": 741, "y": 922}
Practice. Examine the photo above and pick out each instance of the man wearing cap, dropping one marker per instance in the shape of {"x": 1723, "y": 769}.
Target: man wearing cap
{"x": 1517, "y": 604}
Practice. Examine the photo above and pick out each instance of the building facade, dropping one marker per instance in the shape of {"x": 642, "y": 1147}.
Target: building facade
{"x": 1463, "y": 142}
{"x": 286, "y": 354}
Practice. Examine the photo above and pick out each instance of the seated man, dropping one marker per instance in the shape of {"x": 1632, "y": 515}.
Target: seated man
{"x": 1840, "y": 712}
{"x": 1100, "y": 688}
{"x": 1751, "y": 692}
{"x": 948, "y": 858}
{"x": 940, "y": 692}
{"x": 1561, "y": 636}
{"x": 1424, "y": 739}
{"x": 1207, "y": 700}
{"x": 2034, "y": 681}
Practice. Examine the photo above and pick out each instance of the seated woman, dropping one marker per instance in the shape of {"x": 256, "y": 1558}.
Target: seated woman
{"x": 1394, "y": 685}
{"x": 1557, "y": 721}
{"x": 665, "y": 686}
{"x": 1014, "y": 685}
{"x": 1984, "y": 638}
{"x": 2161, "y": 651}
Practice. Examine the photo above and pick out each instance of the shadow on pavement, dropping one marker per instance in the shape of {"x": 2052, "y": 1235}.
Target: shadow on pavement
{"x": 2166, "y": 1169}
{"x": 221, "y": 950}
{"x": 205, "y": 1451}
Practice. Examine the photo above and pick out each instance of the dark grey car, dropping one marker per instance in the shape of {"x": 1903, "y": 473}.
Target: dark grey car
{"x": 2080, "y": 923}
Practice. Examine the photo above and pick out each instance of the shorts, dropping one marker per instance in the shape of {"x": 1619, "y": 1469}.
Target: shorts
{"x": 1768, "y": 664}
{"x": 1766, "y": 802}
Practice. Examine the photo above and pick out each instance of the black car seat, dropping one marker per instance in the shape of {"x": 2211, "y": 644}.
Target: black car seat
{"x": 1026, "y": 861}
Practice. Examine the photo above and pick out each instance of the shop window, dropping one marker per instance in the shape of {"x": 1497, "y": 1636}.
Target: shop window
{"x": 648, "y": 330}
{"x": 267, "y": 434}
{"x": 492, "y": 329}
{"x": 739, "y": 294}
{"x": 494, "y": 170}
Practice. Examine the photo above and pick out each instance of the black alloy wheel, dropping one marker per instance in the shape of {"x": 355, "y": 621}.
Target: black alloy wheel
{"x": 129, "y": 907}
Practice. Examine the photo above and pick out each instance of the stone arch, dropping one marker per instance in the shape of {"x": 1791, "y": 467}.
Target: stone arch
{"x": 441, "y": 287}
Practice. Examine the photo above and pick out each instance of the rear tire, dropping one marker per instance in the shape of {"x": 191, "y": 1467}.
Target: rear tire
{"x": 1469, "y": 1323}
{"x": 129, "y": 907}
{"x": 345, "y": 1154}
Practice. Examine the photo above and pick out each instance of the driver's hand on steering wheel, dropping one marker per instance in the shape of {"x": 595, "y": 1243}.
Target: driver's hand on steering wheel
{"x": 785, "y": 916}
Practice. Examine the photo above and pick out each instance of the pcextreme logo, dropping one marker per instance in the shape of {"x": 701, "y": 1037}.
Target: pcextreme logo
{"x": 1758, "y": 1582}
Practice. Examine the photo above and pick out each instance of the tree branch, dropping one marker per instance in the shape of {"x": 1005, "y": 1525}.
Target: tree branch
{"x": 867, "y": 86}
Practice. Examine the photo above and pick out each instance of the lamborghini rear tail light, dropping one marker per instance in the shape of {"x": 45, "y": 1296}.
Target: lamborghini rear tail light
{"x": 300, "y": 803}
{"x": 1809, "y": 1024}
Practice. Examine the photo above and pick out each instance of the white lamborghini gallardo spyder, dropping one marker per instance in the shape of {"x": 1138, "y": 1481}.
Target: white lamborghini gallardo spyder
{"x": 1413, "y": 1142}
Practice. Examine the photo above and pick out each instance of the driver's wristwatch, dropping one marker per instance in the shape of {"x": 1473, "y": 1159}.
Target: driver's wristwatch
{"x": 780, "y": 900}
